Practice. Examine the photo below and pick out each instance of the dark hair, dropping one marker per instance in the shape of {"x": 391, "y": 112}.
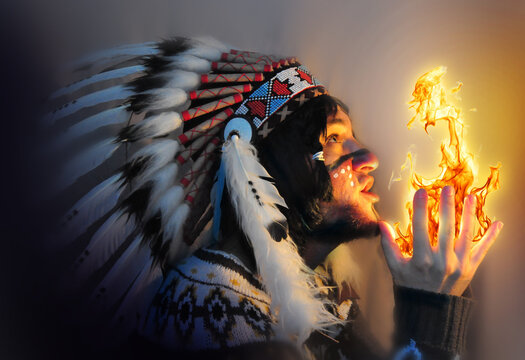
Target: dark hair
{"x": 287, "y": 156}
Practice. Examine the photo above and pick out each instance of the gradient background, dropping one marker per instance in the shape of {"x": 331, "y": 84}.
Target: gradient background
{"x": 368, "y": 53}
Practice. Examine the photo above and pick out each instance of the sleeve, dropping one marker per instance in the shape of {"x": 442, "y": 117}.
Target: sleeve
{"x": 430, "y": 325}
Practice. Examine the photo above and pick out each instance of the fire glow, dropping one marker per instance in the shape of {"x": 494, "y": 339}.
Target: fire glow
{"x": 432, "y": 103}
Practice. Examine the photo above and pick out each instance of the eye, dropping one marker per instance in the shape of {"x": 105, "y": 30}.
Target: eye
{"x": 334, "y": 138}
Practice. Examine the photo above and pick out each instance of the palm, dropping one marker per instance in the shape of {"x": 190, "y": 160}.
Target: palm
{"x": 449, "y": 266}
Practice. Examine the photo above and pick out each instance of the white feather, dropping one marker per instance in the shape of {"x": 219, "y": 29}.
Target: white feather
{"x": 181, "y": 79}
{"x": 190, "y": 63}
{"x": 173, "y": 233}
{"x": 104, "y": 243}
{"x": 91, "y": 207}
{"x": 163, "y": 98}
{"x": 209, "y": 41}
{"x": 204, "y": 239}
{"x": 86, "y": 161}
{"x": 205, "y": 52}
{"x": 131, "y": 313}
{"x": 147, "y": 48}
{"x": 246, "y": 167}
{"x": 213, "y": 190}
{"x": 115, "y": 116}
{"x": 114, "y": 93}
{"x": 159, "y": 153}
{"x": 158, "y": 125}
{"x": 106, "y": 75}
{"x": 167, "y": 203}
{"x": 122, "y": 275}
{"x": 162, "y": 180}
{"x": 268, "y": 193}
{"x": 288, "y": 280}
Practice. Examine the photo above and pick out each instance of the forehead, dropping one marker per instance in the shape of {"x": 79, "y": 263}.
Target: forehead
{"x": 339, "y": 119}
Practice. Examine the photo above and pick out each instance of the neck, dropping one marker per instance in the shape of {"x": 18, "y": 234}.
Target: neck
{"x": 315, "y": 251}
{"x": 236, "y": 244}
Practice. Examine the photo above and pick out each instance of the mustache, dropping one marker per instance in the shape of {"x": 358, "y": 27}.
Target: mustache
{"x": 343, "y": 158}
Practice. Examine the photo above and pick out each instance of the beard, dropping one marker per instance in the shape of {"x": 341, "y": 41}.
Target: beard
{"x": 346, "y": 223}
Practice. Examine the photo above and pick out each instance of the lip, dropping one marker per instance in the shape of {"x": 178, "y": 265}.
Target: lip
{"x": 367, "y": 182}
{"x": 373, "y": 197}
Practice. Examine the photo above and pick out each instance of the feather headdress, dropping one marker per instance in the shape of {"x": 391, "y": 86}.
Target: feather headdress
{"x": 167, "y": 108}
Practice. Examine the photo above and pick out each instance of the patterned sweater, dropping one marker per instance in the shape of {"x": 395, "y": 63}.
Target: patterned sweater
{"x": 210, "y": 301}
{"x": 212, "y": 306}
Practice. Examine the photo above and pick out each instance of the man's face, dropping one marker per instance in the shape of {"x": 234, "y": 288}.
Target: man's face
{"x": 349, "y": 165}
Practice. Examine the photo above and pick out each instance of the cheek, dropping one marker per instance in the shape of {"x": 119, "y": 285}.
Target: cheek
{"x": 342, "y": 183}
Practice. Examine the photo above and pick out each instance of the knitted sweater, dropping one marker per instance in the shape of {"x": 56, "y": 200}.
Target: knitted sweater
{"x": 211, "y": 305}
{"x": 210, "y": 301}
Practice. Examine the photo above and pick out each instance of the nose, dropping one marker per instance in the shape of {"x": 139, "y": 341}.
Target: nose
{"x": 364, "y": 161}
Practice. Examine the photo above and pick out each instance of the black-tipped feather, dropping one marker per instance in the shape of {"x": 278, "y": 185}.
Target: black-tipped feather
{"x": 130, "y": 133}
{"x": 192, "y": 235}
{"x": 138, "y": 201}
{"x": 153, "y": 236}
{"x": 156, "y": 64}
{"x": 136, "y": 204}
{"x": 278, "y": 230}
{"x": 174, "y": 46}
{"x": 146, "y": 83}
{"x": 133, "y": 168}
{"x": 139, "y": 102}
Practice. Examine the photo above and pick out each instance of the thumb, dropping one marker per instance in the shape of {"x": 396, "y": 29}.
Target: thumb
{"x": 391, "y": 249}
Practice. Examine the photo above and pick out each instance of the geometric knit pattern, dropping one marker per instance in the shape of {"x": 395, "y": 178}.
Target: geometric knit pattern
{"x": 210, "y": 301}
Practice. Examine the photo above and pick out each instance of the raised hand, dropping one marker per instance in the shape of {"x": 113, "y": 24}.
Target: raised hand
{"x": 449, "y": 266}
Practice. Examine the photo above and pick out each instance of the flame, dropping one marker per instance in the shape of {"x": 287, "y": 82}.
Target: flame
{"x": 432, "y": 103}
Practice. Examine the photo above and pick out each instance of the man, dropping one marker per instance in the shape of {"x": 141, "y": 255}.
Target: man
{"x": 292, "y": 183}
{"x": 329, "y": 203}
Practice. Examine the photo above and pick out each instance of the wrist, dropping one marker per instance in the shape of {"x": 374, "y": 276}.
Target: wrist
{"x": 431, "y": 319}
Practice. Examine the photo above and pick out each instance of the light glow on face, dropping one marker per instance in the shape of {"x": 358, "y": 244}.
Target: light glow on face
{"x": 351, "y": 182}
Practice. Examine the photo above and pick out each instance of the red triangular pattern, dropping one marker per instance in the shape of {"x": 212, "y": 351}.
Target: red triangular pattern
{"x": 280, "y": 88}
{"x": 257, "y": 107}
{"x": 304, "y": 76}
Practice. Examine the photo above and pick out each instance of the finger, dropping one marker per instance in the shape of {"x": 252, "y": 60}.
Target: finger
{"x": 447, "y": 221}
{"x": 463, "y": 244}
{"x": 482, "y": 247}
{"x": 390, "y": 248}
{"x": 420, "y": 225}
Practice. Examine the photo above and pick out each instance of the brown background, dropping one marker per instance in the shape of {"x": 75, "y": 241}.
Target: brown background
{"x": 368, "y": 53}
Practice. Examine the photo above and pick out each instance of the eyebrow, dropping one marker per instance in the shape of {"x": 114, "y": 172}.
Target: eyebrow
{"x": 335, "y": 121}
{"x": 339, "y": 121}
